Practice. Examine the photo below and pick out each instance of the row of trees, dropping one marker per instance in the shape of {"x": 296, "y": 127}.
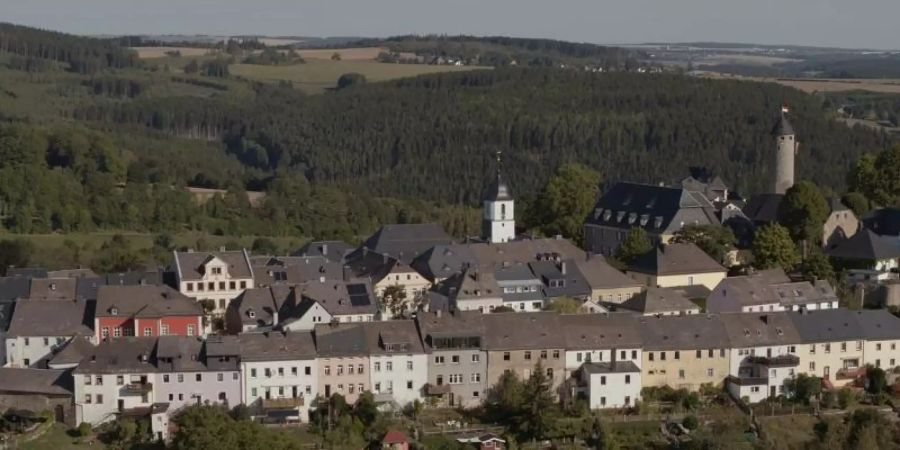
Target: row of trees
{"x": 83, "y": 55}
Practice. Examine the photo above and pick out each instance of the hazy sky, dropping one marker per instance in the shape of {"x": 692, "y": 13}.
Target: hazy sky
{"x": 855, "y": 23}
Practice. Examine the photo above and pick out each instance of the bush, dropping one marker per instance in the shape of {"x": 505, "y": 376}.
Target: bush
{"x": 846, "y": 398}
{"x": 690, "y": 422}
{"x": 84, "y": 429}
{"x": 350, "y": 79}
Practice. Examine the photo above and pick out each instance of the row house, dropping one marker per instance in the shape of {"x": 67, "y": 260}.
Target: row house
{"x": 147, "y": 311}
{"x": 343, "y": 360}
{"x": 41, "y": 326}
{"x": 770, "y": 291}
{"x": 832, "y": 345}
{"x": 684, "y": 351}
{"x": 763, "y": 354}
{"x": 457, "y": 361}
{"x": 216, "y": 276}
{"x": 279, "y": 373}
{"x": 398, "y": 366}
{"x": 517, "y": 342}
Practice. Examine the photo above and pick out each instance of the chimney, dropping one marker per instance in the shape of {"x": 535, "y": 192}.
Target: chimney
{"x": 324, "y": 249}
{"x": 347, "y": 273}
{"x": 562, "y": 267}
{"x": 437, "y": 313}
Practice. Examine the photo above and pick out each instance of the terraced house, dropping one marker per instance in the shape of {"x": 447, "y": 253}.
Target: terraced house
{"x": 279, "y": 376}
{"x": 684, "y": 351}
{"x": 216, "y": 276}
{"x": 517, "y": 342}
{"x": 457, "y": 362}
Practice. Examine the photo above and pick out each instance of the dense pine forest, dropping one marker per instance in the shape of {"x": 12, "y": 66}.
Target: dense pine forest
{"x": 113, "y": 147}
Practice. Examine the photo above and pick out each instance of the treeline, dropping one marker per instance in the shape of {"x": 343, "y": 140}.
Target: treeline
{"x": 82, "y": 54}
{"x": 435, "y": 137}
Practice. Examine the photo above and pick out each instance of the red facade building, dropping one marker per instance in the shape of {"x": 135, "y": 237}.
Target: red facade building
{"x": 146, "y": 311}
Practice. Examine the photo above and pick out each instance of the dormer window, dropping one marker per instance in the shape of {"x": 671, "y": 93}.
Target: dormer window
{"x": 251, "y": 313}
{"x": 114, "y": 311}
{"x": 644, "y": 219}
{"x": 631, "y": 218}
{"x": 607, "y": 214}
{"x": 216, "y": 271}
{"x": 657, "y": 222}
{"x": 597, "y": 213}
{"x": 619, "y": 216}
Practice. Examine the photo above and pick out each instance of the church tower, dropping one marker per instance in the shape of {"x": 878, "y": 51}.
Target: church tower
{"x": 785, "y": 151}
{"x": 498, "y": 224}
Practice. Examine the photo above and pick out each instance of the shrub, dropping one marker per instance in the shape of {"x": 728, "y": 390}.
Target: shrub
{"x": 84, "y": 429}
{"x": 690, "y": 422}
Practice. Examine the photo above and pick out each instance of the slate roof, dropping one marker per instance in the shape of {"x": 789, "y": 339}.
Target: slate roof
{"x": 334, "y": 251}
{"x": 867, "y": 245}
{"x": 782, "y": 126}
{"x": 878, "y": 324}
{"x": 35, "y": 381}
{"x": 120, "y": 355}
{"x": 337, "y": 297}
{"x": 828, "y": 325}
{"x": 268, "y": 271}
{"x": 406, "y": 241}
{"x": 6, "y": 312}
{"x": 53, "y": 288}
{"x": 12, "y": 288}
{"x": 265, "y": 302}
{"x": 657, "y": 209}
{"x": 884, "y": 221}
{"x": 179, "y": 354}
{"x": 660, "y": 300}
{"x": 443, "y": 261}
{"x": 498, "y": 190}
{"x": 675, "y": 259}
{"x": 610, "y": 367}
{"x": 759, "y": 330}
{"x": 763, "y": 208}
{"x": 600, "y": 331}
{"x": 472, "y": 284}
{"x": 72, "y": 273}
{"x": 455, "y": 324}
{"x": 774, "y": 287}
{"x": 402, "y": 333}
{"x": 74, "y": 351}
{"x": 574, "y": 284}
{"x": 145, "y": 301}
{"x": 523, "y": 331}
{"x": 341, "y": 339}
{"x": 189, "y": 264}
{"x": 26, "y": 272}
{"x": 57, "y": 318}
{"x": 600, "y": 275}
{"x": 489, "y": 255}
{"x": 277, "y": 346}
{"x": 696, "y": 331}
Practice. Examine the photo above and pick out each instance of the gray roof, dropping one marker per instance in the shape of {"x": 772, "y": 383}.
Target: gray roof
{"x": 472, "y": 284}
{"x": 35, "y": 381}
{"x": 610, "y": 367}
{"x": 53, "y": 288}
{"x": 52, "y": 318}
{"x": 391, "y": 337}
{"x": 12, "y": 288}
{"x": 268, "y": 271}
{"x": 145, "y": 301}
{"x": 443, "y": 261}
{"x": 867, "y": 245}
{"x": 6, "y": 312}
{"x": 341, "y": 339}
{"x": 600, "y": 331}
{"x": 337, "y": 297}
{"x": 574, "y": 284}
{"x": 334, "y": 251}
{"x": 773, "y": 287}
{"x": 447, "y": 324}
{"x": 675, "y": 259}
{"x": 758, "y": 330}
{"x": 26, "y": 272}
{"x": 406, "y": 241}
{"x": 264, "y": 303}
{"x": 600, "y": 275}
{"x": 828, "y": 325}
{"x": 884, "y": 221}
{"x": 190, "y": 264}
{"x": 180, "y": 354}
{"x": 120, "y": 355}
{"x": 498, "y": 190}
{"x": 490, "y": 255}
{"x": 660, "y": 300}
{"x": 277, "y": 346}
{"x": 72, "y": 273}
{"x": 878, "y": 324}
{"x": 523, "y": 331}
{"x": 696, "y": 331}
{"x": 74, "y": 352}
{"x": 782, "y": 126}
{"x": 657, "y": 209}
{"x": 763, "y": 208}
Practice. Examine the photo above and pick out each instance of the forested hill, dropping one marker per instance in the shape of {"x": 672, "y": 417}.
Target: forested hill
{"x": 80, "y": 54}
{"x": 435, "y": 137}
{"x": 505, "y": 51}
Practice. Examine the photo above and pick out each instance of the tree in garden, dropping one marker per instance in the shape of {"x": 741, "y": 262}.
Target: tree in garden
{"x": 394, "y": 299}
{"x": 803, "y": 388}
{"x": 857, "y": 202}
{"x": 595, "y": 435}
{"x": 565, "y": 200}
{"x": 715, "y": 240}
{"x": 773, "y": 247}
{"x": 264, "y": 246}
{"x": 803, "y": 211}
{"x": 538, "y": 413}
{"x": 636, "y": 243}
{"x": 876, "y": 380}
{"x": 875, "y": 176}
{"x": 817, "y": 266}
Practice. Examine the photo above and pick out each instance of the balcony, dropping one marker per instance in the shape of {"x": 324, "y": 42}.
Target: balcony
{"x": 850, "y": 373}
{"x": 777, "y": 361}
{"x": 136, "y": 389}
{"x": 749, "y": 381}
{"x": 282, "y": 403}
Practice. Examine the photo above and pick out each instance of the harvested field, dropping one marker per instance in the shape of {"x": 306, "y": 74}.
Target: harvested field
{"x": 814, "y": 85}
{"x": 347, "y": 54}
{"x": 160, "y": 52}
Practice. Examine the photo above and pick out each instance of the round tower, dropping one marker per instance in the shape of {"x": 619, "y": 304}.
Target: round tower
{"x": 785, "y": 151}
{"x": 498, "y": 223}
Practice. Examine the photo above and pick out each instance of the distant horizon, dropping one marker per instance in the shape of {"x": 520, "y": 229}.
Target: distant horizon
{"x": 865, "y": 24}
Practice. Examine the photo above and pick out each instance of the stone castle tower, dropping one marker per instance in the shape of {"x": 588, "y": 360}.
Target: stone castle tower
{"x": 785, "y": 151}
{"x": 498, "y": 223}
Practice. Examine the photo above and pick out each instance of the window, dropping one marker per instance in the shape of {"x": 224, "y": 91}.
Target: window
{"x": 294, "y": 371}
{"x": 234, "y": 376}
{"x": 200, "y": 287}
{"x": 104, "y": 333}
{"x": 148, "y": 331}
{"x": 622, "y": 354}
{"x": 527, "y": 355}
{"x": 650, "y": 356}
{"x": 190, "y": 287}
{"x": 555, "y": 354}
{"x": 699, "y": 354}
{"x": 220, "y": 377}
{"x": 476, "y": 358}
{"x": 181, "y": 378}
{"x": 722, "y": 352}
{"x": 221, "y": 285}
{"x": 627, "y": 379}
{"x": 117, "y": 332}
{"x": 409, "y": 365}
{"x": 350, "y": 369}
{"x": 87, "y": 399}
{"x": 710, "y": 353}
{"x": 190, "y": 330}
{"x": 681, "y": 373}
{"x": 87, "y": 380}
{"x": 253, "y": 392}
{"x": 877, "y": 347}
{"x": 859, "y": 345}
{"x": 211, "y": 286}
{"x": 454, "y": 359}
{"x": 389, "y": 366}
{"x": 359, "y": 369}
{"x": 340, "y": 370}
{"x": 456, "y": 378}
{"x": 603, "y": 380}
{"x": 281, "y": 371}
{"x": 550, "y": 372}
{"x": 164, "y": 330}
{"x": 475, "y": 378}
{"x": 99, "y": 399}
{"x": 438, "y": 360}
{"x": 710, "y": 372}
{"x": 543, "y": 354}
{"x": 843, "y": 347}
{"x": 662, "y": 356}
{"x": 99, "y": 380}
{"x": 243, "y": 284}
{"x": 409, "y": 385}
{"x": 120, "y": 380}
{"x": 199, "y": 377}
{"x": 828, "y": 348}
{"x": 578, "y": 357}
{"x": 506, "y": 356}
{"x": 307, "y": 370}
{"x": 268, "y": 372}
{"x": 812, "y": 366}
{"x": 812, "y": 349}
{"x": 253, "y": 372}
{"x": 677, "y": 354}
{"x": 232, "y": 285}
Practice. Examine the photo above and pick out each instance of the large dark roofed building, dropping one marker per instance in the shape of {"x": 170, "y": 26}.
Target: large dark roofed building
{"x": 659, "y": 210}
{"x": 405, "y": 241}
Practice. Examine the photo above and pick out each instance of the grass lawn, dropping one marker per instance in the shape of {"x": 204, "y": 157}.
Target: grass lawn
{"x": 57, "y": 439}
{"x": 316, "y": 75}
{"x": 792, "y": 432}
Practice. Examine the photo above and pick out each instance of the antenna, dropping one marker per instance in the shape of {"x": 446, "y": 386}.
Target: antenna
{"x": 499, "y": 161}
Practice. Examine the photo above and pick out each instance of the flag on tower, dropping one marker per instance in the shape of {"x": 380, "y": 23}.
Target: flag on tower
{"x": 784, "y": 109}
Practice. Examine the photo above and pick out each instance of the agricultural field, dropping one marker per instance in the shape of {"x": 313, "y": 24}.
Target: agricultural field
{"x": 317, "y": 75}
{"x": 159, "y": 52}
{"x": 347, "y": 54}
{"x": 820, "y": 85}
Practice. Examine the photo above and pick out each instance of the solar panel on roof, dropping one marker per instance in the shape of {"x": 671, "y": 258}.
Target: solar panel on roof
{"x": 358, "y": 294}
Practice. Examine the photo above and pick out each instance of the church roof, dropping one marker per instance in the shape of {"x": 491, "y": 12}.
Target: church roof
{"x": 498, "y": 190}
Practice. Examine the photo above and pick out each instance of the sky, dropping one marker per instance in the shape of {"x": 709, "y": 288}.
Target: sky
{"x": 851, "y": 24}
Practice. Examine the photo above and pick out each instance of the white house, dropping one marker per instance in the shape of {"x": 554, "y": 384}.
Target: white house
{"x": 611, "y": 384}
{"x": 770, "y": 291}
{"x": 763, "y": 354}
{"x": 217, "y": 276}
{"x": 398, "y": 365}
{"x": 117, "y": 377}
{"x": 40, "y": 327}
{"x": 278, "y": 374}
